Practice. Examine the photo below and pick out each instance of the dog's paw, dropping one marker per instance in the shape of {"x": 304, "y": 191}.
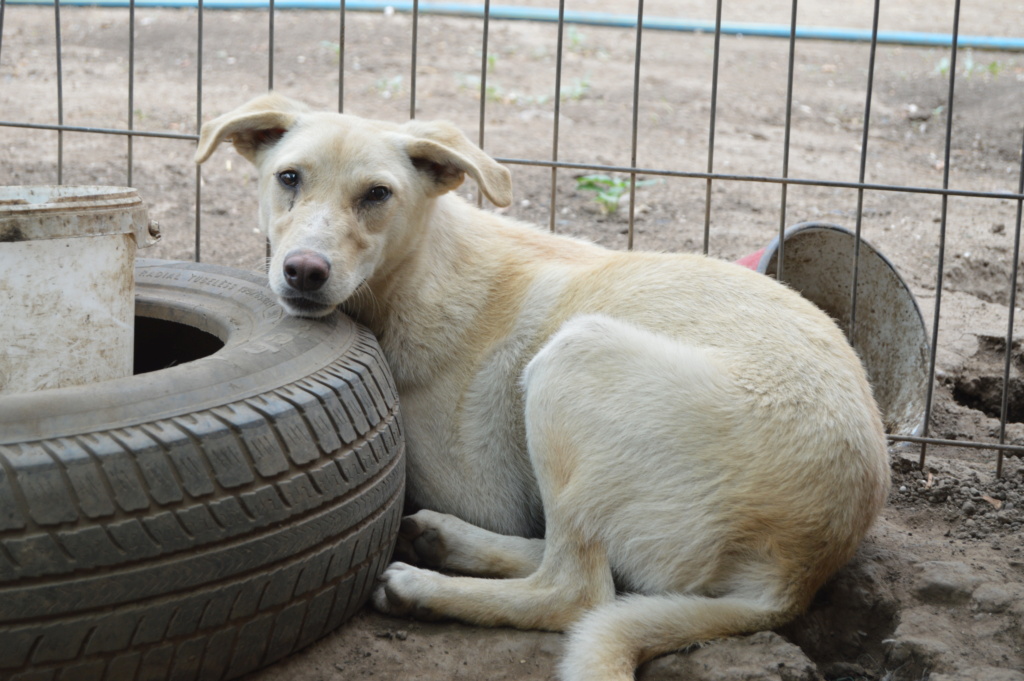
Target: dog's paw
{"x": 421, "y": 540}
{"x": 403, "y": 590}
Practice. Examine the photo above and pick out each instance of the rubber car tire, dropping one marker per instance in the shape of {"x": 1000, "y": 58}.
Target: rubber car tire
{"x": 203, "y": 520}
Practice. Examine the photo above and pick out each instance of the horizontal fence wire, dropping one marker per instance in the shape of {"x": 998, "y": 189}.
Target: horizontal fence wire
{"x": 605, "y": 168}
{"x": 640, "y": 23}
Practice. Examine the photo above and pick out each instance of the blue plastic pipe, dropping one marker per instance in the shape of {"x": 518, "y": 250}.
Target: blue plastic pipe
{"x": 587, "y": 18}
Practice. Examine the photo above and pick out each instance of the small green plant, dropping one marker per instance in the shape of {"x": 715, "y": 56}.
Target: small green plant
{"x": 576, "y": 90}
{"x": 609, "y": 190}
{"x": 496, "y": 93}
{"x": 389, "y": 87}
{"x": 577, "y": 40}
{"x": 969, "y": 66}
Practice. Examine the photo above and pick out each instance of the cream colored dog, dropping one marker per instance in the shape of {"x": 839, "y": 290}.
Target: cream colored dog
{"x": 696, "y": 443}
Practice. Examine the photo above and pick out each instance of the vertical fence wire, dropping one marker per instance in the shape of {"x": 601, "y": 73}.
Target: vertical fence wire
{"x": 942, "y": 232}
{"x": 131, "y": 88}
{"x": 636, "y": 119}
{"x": 199, "y": 125}
{"x": 711, "y": 126}
{"x": 271, "y": 33}
{"x": 779, "y": 274}
{"x": 60, "y": 93}
{"x": 3, "y": 6}
{"x": 557, "y": 115}
{"x": 415, "y": 45}
{"x": 270, "y": 46}
{"x": 862, "y": 173}
{"x": 1005, "y": 401}
{"x": 484, "y": 62}
{"x": 341, "y": 60}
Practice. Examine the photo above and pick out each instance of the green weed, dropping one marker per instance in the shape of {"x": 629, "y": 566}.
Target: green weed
{"x": 971, "y": 67}
{"x": 577, "y": 40}
{"x": 576, "y": 90}
{"x": 608, "y": 190}
{"x": 389, "y": 87}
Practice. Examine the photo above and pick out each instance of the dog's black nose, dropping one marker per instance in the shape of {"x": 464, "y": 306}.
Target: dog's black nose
{"x": 306, "y": 270}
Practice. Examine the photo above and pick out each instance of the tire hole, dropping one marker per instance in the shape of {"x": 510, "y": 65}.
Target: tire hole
{"x": 160, "y": 344}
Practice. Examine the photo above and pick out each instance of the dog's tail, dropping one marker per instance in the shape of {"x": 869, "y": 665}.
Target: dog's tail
{"x": 609, "y": 642}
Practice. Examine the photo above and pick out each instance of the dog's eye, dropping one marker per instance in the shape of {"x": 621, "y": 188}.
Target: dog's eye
{"x": 378, "y": 194}
{"x": 288, "y": 178}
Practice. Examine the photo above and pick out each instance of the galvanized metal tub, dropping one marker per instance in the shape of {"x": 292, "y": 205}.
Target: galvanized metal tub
{"x": 889, "y": 333}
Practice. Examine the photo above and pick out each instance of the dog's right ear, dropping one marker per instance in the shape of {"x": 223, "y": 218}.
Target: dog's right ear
{"x": 251, "y": 127}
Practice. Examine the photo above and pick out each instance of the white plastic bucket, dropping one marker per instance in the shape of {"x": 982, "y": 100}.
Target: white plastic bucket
{"x": 67, "y": 287}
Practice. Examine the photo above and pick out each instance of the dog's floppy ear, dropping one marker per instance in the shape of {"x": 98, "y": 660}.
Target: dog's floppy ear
{"x": 440, "y": 149}
{"x": 251, "y": 126}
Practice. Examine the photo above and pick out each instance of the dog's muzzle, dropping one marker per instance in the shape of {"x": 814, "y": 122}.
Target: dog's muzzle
{"x": 305, "y": 273}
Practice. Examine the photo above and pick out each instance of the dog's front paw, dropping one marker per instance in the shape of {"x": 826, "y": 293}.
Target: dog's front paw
{"x": 403, "y": 591}
{"x": 421, "y": 540}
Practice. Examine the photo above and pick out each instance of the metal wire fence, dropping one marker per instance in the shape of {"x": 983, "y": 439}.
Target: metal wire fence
{"x": 637, "y": 22}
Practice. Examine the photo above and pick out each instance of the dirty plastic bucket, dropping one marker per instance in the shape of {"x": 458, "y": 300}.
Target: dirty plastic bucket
{"x": 890, "y": 335}
{"x": 67, "y": 287}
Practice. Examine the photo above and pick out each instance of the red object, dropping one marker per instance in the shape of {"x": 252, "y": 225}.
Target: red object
{"x": 751, "y": 261}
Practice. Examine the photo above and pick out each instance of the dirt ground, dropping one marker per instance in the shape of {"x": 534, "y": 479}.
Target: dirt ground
{"x": 937, "y": 590}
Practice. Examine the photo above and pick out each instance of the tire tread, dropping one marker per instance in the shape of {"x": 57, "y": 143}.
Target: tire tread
{"x": 101, "y": 476}
{"x": 182, "y": 491}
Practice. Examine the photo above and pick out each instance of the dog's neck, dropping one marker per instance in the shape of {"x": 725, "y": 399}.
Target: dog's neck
{"x": 424, "y": 298}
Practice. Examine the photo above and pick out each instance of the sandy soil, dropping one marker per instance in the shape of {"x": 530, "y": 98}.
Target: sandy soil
{"x": 938, "y": 588}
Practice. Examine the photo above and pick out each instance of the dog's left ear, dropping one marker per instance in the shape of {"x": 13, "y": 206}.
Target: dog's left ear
{"x": 441, "y": 150}
{"x": 251, "y": 127}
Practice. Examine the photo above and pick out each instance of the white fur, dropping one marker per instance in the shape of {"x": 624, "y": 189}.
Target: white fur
{"x": 578, "y": 421}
